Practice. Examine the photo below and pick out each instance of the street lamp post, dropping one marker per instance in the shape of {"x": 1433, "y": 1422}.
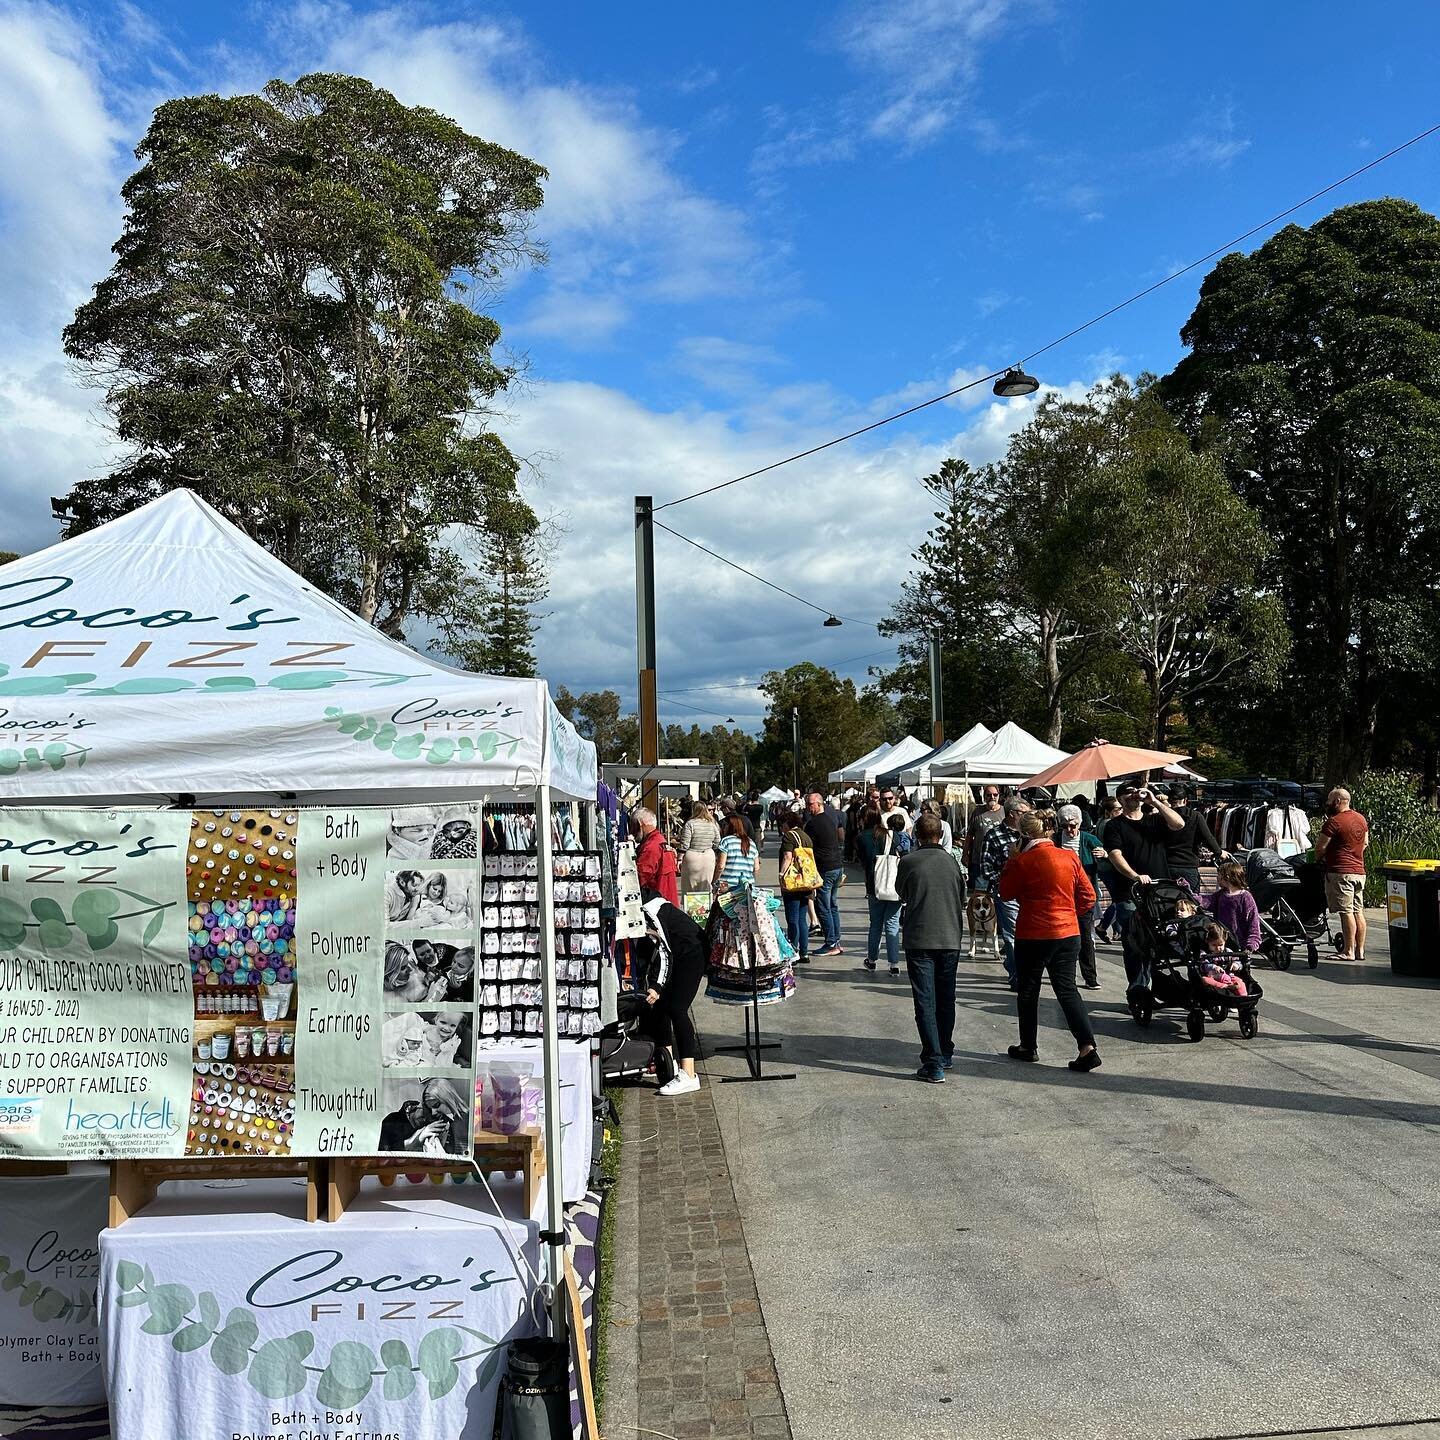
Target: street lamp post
{"x": 795, "y": 744}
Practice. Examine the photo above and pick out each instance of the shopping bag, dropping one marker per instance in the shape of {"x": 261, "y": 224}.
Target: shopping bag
{"x": 887, "y": 872}
{"x": 800, "y": 876}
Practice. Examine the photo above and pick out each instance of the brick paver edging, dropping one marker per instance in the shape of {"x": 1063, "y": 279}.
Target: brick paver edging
{"x": 705, "y": 1367}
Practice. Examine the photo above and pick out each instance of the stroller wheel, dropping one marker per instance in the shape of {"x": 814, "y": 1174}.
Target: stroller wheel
{"x": 1195, "y": 1024}
{"x": 1218, "y": 1013}
{"x": 1249, "y": 1024}
{"x": 1140, "y": 1011}
{"x": 1283, "y": 957}
{"x": 1312, "y": 954}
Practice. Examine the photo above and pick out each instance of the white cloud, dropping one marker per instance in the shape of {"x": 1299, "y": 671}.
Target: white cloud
{"x": 1213, "y": 142}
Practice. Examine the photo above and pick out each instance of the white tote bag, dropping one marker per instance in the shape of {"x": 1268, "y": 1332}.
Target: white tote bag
{"x": 887, "y": 871}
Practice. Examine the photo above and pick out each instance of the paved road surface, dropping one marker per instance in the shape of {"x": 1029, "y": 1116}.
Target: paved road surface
{"x": 1197, "y": 1240}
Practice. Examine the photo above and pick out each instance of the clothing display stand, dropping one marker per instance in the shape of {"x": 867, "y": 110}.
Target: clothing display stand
{"x": 754, "y": 1061}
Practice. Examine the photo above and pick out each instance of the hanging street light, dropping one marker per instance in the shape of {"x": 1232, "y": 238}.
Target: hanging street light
{"x": 832, "y": 620}
{"x": 1015, "y": 383}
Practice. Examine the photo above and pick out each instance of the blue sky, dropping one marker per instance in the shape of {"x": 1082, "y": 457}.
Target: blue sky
{"x": 767, "y": 224}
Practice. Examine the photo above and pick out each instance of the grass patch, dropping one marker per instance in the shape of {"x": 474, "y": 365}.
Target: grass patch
{"x": 605, "y": 1246}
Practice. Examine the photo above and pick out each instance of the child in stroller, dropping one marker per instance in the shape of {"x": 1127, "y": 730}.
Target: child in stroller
{"x": 1171, "y": 942}
{"x": 1220, "y": 967}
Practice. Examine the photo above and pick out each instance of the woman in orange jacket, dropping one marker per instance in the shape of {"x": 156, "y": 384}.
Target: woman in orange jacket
{"x": 1052, "y": 890}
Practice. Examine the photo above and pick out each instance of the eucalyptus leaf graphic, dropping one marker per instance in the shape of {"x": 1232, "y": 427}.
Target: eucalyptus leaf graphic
{"x": 278, "y": 1369}
{"x": 54, "y": 934}
{"x": 230, "y": 682}
{"x": 42, "y": 684}
{"x": 307, "y": 680}
{"x": 441, "y": 751}
{"x": 44, "y": 908}
{"x": 488, "y": 744}
{"x": 146, "y": 685}
{"x": 50, "y": 1304}
{"x": 131, "y": 1297}
{"x": 486, "y": 1373}
{"x": 231, "y": 1350}
{"x": 194, "y": 1336}
{"x": 436, "y": 1359}
{"x": 347, "y": 1378}
{"x": 209, "y": 1310}
{"x": 93, "y": 909}
{"x": 157, "y": 923}
{"x": 169, "y": 1305}
{"x": 399, "y": 1370}
{"x": 408, "y": 747}
{"x": 107, "y": 937}
{"x": 12, "y": 921}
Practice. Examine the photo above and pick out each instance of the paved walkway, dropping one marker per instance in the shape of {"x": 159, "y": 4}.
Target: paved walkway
{"x": 702, "y": 1366}
{"x": 1225, "y": 1239}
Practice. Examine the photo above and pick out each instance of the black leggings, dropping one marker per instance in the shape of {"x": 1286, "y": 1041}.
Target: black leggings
{"x": 1032, "y": 959}
{"x": 668, "y": 1019}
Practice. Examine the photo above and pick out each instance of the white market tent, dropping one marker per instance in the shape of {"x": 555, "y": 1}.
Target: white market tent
{"x": 857, "y": 766}
{"x": 908, "y": 751}
{"x": 166, "y": 653}
{"x": 919, "y": 774}
{"x": 1010, "y": 754}
{"x": 773, "y": 794}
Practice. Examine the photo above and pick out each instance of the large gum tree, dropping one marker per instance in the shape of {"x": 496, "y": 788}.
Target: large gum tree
{"x": 292, "y": 327}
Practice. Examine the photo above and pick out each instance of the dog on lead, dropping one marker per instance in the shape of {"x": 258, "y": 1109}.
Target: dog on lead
{"x": 983, "y": 923}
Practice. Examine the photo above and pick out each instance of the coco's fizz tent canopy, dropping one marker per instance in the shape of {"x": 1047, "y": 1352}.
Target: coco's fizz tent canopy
{"x": 166, "y": 652}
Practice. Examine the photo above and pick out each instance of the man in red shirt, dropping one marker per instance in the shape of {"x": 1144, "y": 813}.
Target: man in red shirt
{"x": 1341, "y": 846}
{"x": 1051, "y": 889}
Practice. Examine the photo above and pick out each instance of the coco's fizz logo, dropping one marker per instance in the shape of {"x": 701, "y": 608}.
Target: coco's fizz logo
{"x": 142, "y": 1115}
{"x": 19, "y": 1115}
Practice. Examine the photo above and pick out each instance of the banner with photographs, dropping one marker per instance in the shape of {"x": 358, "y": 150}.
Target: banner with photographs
{"x": 243, "y": 983}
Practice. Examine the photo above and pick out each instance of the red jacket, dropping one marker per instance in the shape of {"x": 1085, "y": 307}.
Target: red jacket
{"x": 1052, "y": 889}
{"x": 656, "y": 868}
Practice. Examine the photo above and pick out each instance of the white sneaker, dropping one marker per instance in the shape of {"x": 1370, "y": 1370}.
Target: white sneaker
{"x": 682, "y": 1084}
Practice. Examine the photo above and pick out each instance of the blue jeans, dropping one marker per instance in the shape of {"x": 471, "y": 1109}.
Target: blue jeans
{"x": 797, "y": 921}
{"x": 827, "y": 907}
{"x": 884, "y": 915}
{"x": 1007, "y": 912}
{"x": 932, "y": 985}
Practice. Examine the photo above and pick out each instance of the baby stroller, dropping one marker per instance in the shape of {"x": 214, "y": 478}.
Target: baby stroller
{"x": 1171, "y": 970}
{"x": 1288, "y": 915}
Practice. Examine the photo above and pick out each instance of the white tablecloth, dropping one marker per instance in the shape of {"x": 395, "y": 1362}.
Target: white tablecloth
{"x": 225, "y": 1315}
{"x": 49, "y": 1335}
{"x": 576, "y": 1103}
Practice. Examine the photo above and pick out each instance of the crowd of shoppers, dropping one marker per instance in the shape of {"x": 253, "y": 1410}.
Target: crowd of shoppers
{"x": 1061, "y": 880}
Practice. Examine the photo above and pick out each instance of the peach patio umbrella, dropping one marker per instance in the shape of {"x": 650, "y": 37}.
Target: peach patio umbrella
{"x": 1100, "y": 760}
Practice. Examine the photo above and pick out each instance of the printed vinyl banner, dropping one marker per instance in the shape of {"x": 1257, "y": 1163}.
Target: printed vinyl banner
{"x": 237, "y": 983}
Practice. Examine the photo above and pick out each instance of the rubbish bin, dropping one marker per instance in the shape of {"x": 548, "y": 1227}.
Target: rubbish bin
{"x": 1412, "y": 903}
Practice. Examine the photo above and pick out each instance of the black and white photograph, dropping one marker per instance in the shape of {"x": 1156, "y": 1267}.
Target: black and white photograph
{"x": 426, "y": 1115}
{"x": 428, "y": 1040}
{"x": 446, "y": 832}
{"x": 417, "y": 899}
{"x": 430, "y": 972}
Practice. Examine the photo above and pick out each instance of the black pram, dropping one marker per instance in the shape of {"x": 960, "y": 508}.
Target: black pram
{"x": 1284, "y": 902}
{"x": 1170, "y": 950}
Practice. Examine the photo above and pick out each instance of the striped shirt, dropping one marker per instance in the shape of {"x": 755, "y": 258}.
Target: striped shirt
{"x": 738, "y": 869}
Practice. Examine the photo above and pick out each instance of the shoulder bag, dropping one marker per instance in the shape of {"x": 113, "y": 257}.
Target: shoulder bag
{"x": 800, "y": 876}
{"x": 887, "y": 872}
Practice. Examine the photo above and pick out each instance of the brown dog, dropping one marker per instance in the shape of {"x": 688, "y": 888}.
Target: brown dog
{"x": 983, "y": 922}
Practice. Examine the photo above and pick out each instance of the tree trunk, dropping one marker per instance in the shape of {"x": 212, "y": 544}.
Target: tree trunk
{"x": 1050, "y": 671}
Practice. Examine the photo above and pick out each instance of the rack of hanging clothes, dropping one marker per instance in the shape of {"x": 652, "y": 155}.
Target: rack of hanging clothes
{"x": 508, "y": 828}
{"x": 1260, "y": 822}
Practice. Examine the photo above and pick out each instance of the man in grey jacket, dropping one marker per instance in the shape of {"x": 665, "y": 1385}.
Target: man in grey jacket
{"x": 932, "y": 890}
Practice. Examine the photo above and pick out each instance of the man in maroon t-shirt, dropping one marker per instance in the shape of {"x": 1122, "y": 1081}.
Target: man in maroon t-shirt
{"x": 1341, "y": 845}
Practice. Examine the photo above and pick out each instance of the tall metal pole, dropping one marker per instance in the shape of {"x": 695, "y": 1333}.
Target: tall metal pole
{"x": 554, "y": 1235}
{"x": 645, "y": 644}
{"x": 795, "y": 743}
{"x": 937, "y": 692}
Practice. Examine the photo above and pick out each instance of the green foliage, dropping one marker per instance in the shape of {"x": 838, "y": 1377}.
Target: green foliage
{"x": 47, "y": 1302}
{"x": 1315, "y": 372}
{"x": 836, "y": 723}
{"x": 288, "y": 328}
{"x": 1403, "y": 826}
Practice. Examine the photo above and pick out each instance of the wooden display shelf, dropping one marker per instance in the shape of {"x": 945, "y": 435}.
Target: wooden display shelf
{"x": 524, "y": 1151}
{"x": 133, "y": 1183}
{"x": 34, "y": 1167}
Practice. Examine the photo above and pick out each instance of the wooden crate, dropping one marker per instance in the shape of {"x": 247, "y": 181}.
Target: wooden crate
{"x": 133, "y": 1183}
{"x": 524, "y": 1151}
